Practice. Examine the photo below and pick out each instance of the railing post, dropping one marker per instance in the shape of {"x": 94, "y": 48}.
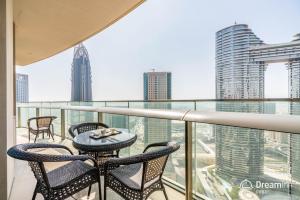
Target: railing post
{"x": 100, "y": 117}
{"x": 188, "y": 161}
{"x": 19, "y": 117}
{"x": 62, "y": 124}
{"x": 37, "y": 112}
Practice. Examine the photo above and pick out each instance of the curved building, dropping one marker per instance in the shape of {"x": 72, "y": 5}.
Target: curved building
{"x": 81, "y": 75}
{"x": 239, "y": 151}
{"x": 236, "y": 77}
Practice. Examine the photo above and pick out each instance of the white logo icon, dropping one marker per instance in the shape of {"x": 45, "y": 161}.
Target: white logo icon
{"x": 246, "y": 184}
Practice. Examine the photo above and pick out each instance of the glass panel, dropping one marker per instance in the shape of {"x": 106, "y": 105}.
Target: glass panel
{"x": 241, "y": 163}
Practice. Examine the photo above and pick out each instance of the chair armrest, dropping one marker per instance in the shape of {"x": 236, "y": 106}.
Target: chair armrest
{"x": 125, "y": 161}
{"x": 64, "y": 158}
{"x": 56, "y": 146}
{"x": 155, "y": 145}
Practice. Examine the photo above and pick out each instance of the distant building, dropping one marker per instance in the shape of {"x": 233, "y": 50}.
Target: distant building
{"x": 22, "y": 91}
{"x": 81, "y": 75}
{"x": 157, "y": 86}
{"x": 294, "y": 154}
{"x": 236, "y": 77}
{"x": 241, "y": 60}
{"x": 239, "y": 151}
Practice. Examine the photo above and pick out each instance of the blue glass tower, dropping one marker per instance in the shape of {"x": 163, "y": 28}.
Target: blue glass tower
{"x": 81, "y": 75}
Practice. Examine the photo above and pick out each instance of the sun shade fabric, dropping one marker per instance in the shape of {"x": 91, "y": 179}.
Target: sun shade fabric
{"x": 44, "y": 28}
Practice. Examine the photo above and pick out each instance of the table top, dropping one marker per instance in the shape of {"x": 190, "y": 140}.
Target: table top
{"x": 84, "y": 142}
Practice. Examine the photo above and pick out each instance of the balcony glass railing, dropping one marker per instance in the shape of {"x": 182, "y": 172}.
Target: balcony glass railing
{"x": 227, "y": 162}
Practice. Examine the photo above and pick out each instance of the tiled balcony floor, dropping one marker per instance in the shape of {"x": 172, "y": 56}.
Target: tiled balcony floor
{"x": 24, "y": 181}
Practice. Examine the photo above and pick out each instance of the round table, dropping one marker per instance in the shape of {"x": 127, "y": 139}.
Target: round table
{"x": 116, "y": 142}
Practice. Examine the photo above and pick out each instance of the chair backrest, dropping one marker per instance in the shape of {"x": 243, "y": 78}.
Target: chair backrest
{"x": 155, "y": 164}
{"x": 41, "y": 122}
{"x": 84, "y": 127}
{"x": 35, "y": 160}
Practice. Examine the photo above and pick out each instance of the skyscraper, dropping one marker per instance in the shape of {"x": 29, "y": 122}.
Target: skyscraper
{"x": 241, "y": 60}
{"x": 294, "y": 153}
{"x": 236, "y": 77}
{"x": 239, "y": 151}
{"x": 22, "y": 88}
{"x": 157, "y": 86}
{"x": 81, "y": 75}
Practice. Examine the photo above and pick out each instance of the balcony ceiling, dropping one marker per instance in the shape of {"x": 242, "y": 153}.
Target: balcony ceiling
{"x": 44, "y": 28}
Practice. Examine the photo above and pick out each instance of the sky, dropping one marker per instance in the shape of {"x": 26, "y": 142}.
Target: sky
{"x": 170, "y": 35}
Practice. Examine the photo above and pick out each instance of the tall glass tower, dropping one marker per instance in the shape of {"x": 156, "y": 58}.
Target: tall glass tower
{"x": 157, "y": 86}
{"x": 22, "y": 88}
{"x": 81, "y": 75}
{"x": 236, "y": 77}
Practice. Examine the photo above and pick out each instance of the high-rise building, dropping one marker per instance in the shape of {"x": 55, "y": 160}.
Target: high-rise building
{"x": 241, "y": 60}
{"x": 294, "y": 154}
{"x": 236, "y": 77}
{"x": 22, "y": 88}
{"x": 157, "y": 86}
{"x": 239, "y": 151}
{"x": 81, "y": 75}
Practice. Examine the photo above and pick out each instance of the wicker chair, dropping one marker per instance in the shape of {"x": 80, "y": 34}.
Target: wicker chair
{"x": 62, "y": 182}
{"x": 42, "y": 125}
{"x": 100, "y": 157}
{"x": 139, "y": 175}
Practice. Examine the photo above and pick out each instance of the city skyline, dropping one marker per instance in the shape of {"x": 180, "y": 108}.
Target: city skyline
{"x": 121, "y": 53}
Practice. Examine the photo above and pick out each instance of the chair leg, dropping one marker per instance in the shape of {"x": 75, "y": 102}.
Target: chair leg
{"x": 104, "y": 190}
{"x": 36, "y": 137}
{"x": 29, "y": 135}
{"x": 99, "y": 187}
{"x": 165, "y": 193}
{"x": 51, "y": 134}
{"x": 89, "y": 192}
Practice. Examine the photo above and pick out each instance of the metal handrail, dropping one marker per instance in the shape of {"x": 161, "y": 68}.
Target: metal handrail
{"x": 271, "y": 122}
{"x": 176, "y": 100}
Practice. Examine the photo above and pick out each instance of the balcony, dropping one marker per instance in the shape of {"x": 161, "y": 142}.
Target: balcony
{"x": 254, "y": 141}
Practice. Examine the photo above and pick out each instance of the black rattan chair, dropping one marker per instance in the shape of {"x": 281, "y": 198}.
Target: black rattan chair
{"x": 42, "y": 125}
{"x": 84, "y": 127}
{"x": 139, "y": 175}
{"x": 100, "y": 157}
{"x": 64, "y": 181}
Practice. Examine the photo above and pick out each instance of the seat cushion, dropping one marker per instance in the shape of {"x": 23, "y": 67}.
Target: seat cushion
{"x": 131, "y": 175}
{"x": 68, "y": 172}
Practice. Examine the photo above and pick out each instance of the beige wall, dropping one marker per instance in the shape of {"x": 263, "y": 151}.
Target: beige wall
{"x": 11, "y": 117}
{"x": 7, "y": 118}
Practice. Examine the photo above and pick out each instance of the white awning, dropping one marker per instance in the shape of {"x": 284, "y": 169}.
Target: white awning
{"x": 44, "y": 28}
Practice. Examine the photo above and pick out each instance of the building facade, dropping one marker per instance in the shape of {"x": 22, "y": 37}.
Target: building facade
{"x": 239, "y": 151}
{"x": 294, "y": 154}
{"x": 241, "y": 60}
{"x": 22, "y": 90}
{"x": 157, "y": 86}
{"x": 81, "y": 89}
{"x": 236, "y": 77}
